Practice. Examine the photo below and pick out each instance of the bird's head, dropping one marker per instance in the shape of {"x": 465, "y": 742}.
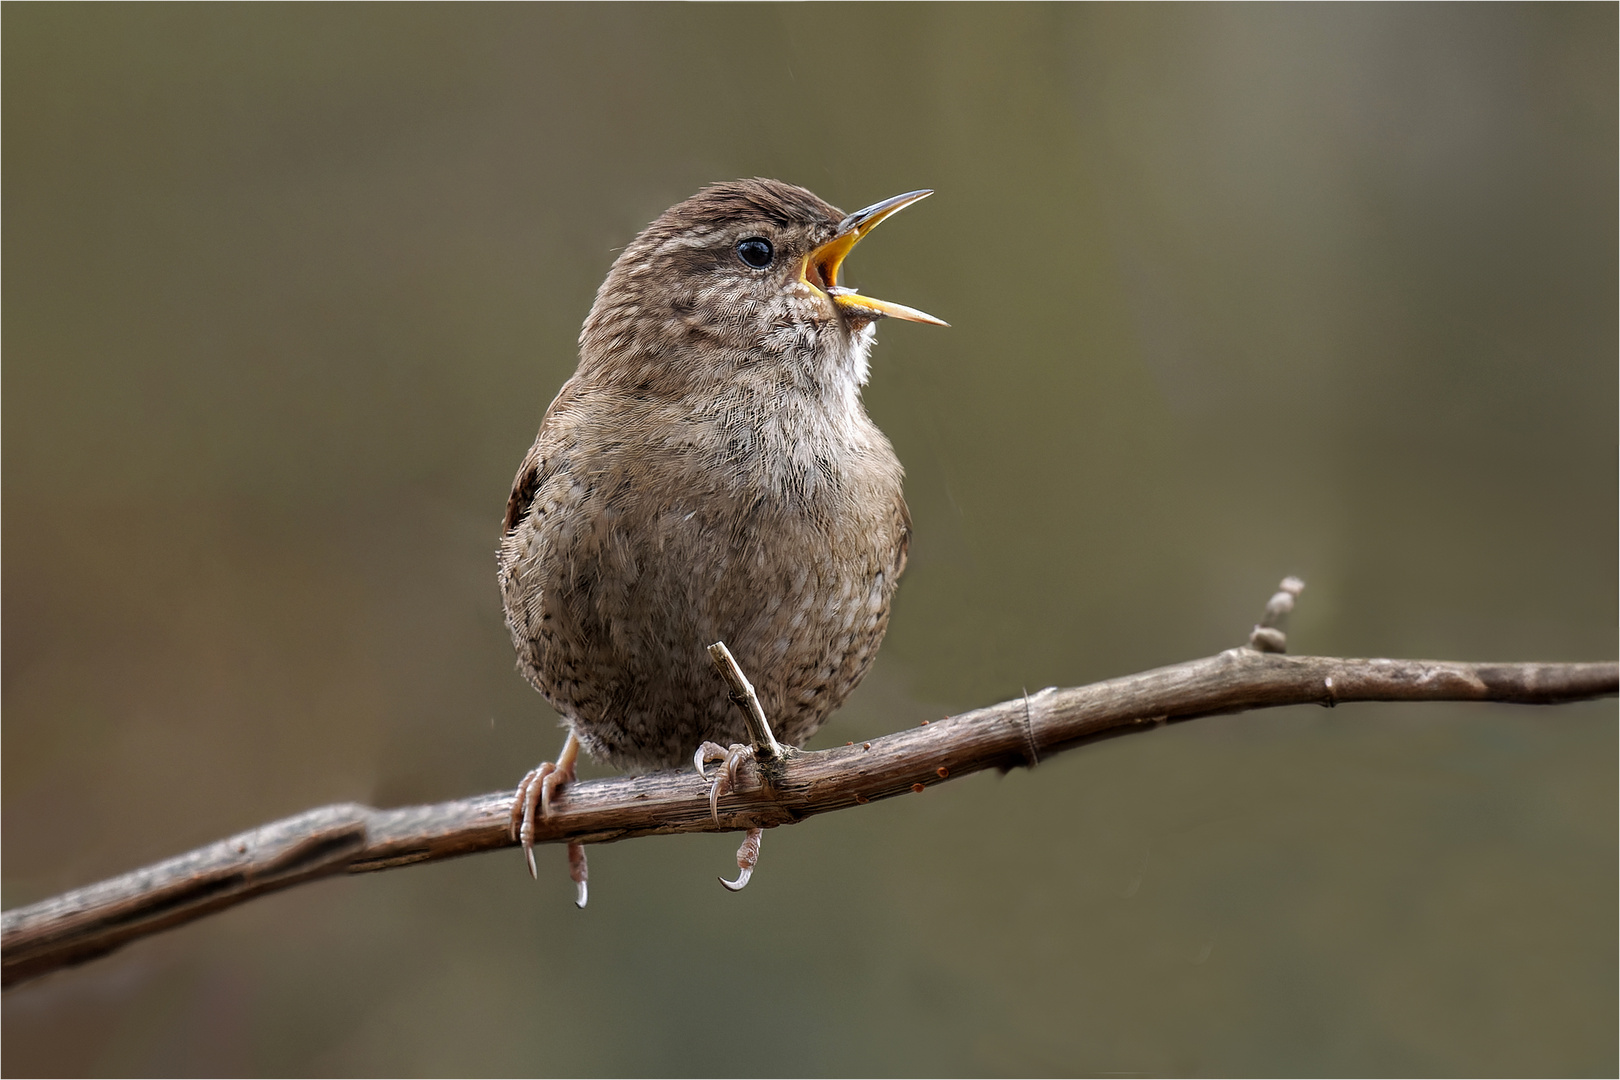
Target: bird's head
{"x": 740, "y": 274}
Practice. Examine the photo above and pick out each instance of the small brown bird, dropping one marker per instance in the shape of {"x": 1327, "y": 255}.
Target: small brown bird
{"x": 708, "y": 474}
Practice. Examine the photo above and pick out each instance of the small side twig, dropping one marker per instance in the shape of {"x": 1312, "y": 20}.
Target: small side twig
{"x": 766, "y": 748}
{"x": 1268, "y": 635}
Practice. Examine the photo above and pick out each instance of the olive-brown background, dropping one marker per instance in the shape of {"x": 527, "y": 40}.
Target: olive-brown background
{"x": 1235, "y": 292}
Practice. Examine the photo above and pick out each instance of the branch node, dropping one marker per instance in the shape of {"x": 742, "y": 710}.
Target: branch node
{"x": 1029, "y": 731}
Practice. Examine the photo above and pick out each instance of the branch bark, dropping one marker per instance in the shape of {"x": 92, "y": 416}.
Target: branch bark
{"x": 351, "y": 838}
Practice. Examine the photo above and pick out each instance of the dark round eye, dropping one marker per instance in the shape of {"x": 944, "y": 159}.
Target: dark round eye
{"x": 755, "y": 251}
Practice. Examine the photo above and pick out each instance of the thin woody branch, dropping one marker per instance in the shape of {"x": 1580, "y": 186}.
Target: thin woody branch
{"x": 350, "y": 838}
{"x": 741, "y": 691}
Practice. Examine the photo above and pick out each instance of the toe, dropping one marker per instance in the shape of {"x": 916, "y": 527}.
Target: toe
{"x": 520, "y": 800}
{"x": 747, "y": 858}
{"x": 527, "y": 805}
{"x": 548, "y": 789}
{"x": 709, "y": 751}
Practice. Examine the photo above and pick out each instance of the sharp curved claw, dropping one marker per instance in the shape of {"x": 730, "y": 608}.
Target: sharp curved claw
{"x": 725, "y": 780}
{"x": 528, "y": 853}
{"x": 747, "y": 857}
{"x": 579, "y": 871}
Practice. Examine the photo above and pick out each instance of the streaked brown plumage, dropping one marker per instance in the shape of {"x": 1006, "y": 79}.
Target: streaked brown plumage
{"x": 709, "y": 473}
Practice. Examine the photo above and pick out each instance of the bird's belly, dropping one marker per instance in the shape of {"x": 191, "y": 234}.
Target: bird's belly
{"x": 622, "y": 647}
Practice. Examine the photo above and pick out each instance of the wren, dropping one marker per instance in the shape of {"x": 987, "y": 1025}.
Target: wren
{"x": 708, "y": 474}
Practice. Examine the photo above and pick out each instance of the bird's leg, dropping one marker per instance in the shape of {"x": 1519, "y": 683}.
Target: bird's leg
{"x": 533, "y": 802}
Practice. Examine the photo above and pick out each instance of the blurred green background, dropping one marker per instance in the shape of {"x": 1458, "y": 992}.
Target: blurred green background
{"x": 1235, "y": 291}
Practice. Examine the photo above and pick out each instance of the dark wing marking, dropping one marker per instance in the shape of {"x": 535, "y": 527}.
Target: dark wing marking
{"x": 530, "y": 473}
{"x": 902, "y": 522}
{"x": 523, "y": 489}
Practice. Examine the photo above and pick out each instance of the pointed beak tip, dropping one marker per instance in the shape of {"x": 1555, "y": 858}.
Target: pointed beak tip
{"x": 867, "y": 218}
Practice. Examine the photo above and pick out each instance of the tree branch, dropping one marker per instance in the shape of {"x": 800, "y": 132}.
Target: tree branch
{"x": 350, "y": 838}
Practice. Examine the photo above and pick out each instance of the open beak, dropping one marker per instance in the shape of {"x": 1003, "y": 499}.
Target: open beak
{"x": 821, "y": 265}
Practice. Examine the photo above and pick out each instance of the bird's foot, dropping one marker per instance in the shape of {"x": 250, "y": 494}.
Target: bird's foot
{"x": 533, "y": 802}
{"x": 766, "y": 753}
{"x": 725, "y": 781}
